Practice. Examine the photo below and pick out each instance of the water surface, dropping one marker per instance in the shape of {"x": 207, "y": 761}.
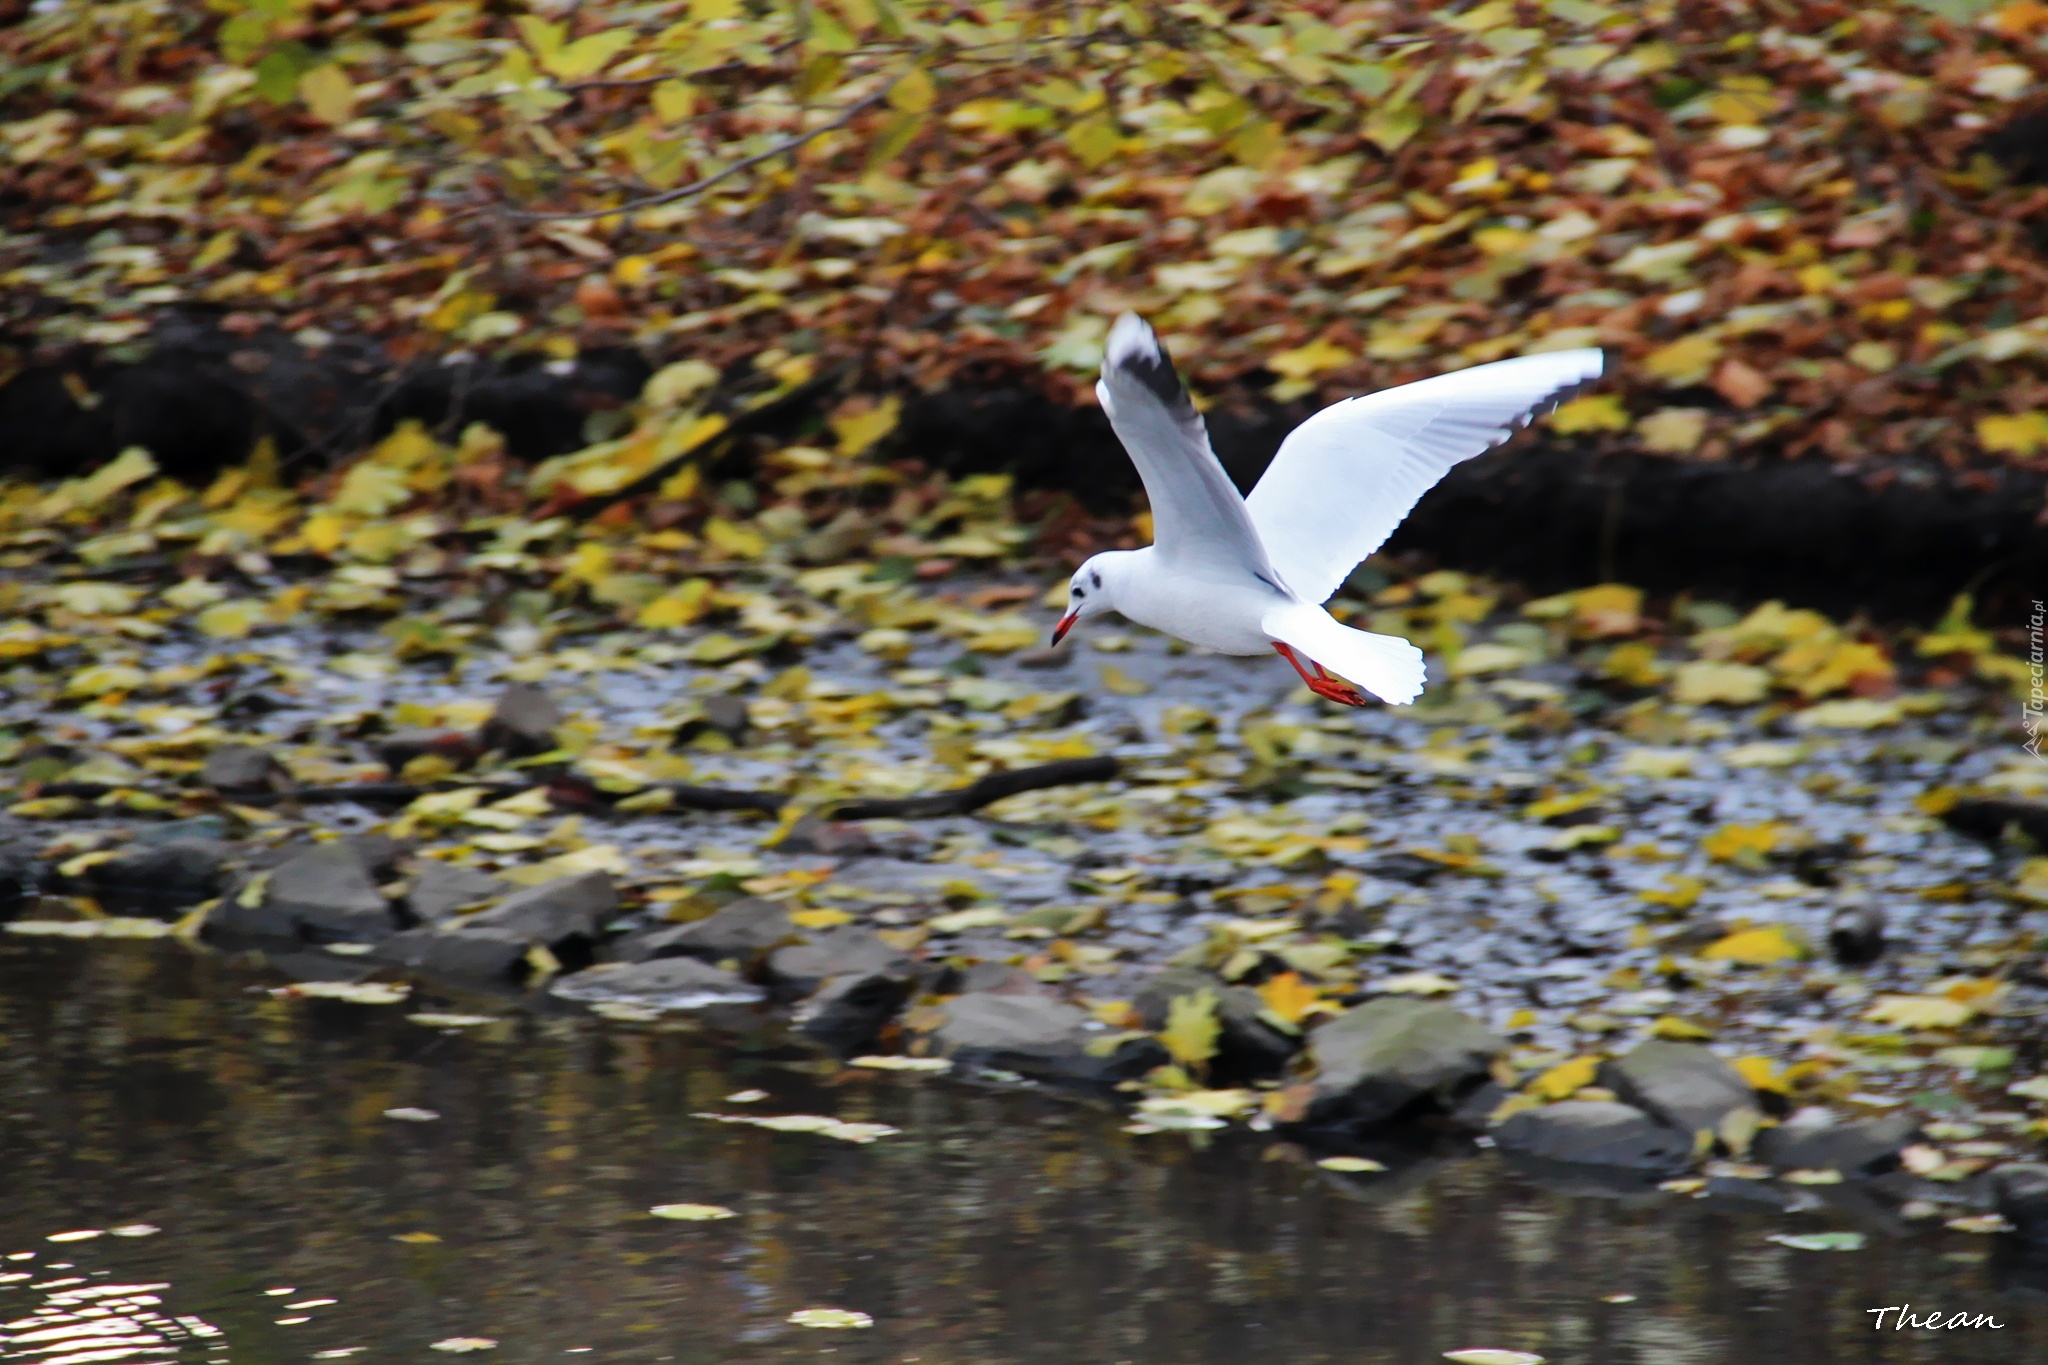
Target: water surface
{"x": 143, "y": 1084}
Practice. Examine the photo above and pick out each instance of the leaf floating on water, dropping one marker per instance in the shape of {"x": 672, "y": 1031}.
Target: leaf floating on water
{"x": 82, "y": 1235}
{"x": 1980, "y": 1223}
{"x": 136, "y": 1230}
{"x": 354, "y": 992}
{"x": 116, "y": 927}
{"x": 1815, "y": 1177}
{"x": 1759, "y": 947}
{"x": 464, "y": 1345}
{"x": 431, "y": 1020}
{"x": 418, "y": 1239}
{"x": 1416, "y": 983}
{"x": 1918, "y": 1011}
{"x": 879, "y": 1063}
{"x": 1819, "y": 1241}
{"x": 746, "y": 1097}
{"x": 1487, "y": 1355}
{"x": 808, "y": 1123}
{"x": 830, "y": 1317}
{"x": 693, "y": 1213}
{"x": 1351, "y": 1165}
{"x": 410, "y": 1115}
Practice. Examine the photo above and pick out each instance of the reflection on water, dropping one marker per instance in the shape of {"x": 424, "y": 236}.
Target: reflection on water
{"x": 142, "y": 1086}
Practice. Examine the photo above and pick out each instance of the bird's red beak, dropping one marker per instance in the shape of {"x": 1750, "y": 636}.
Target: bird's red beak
{"x": 1059, "y": 632}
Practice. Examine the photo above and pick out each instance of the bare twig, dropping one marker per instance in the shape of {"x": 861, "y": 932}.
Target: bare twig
{"x": 571, "y": 792}
{"x": 697, "y": 187}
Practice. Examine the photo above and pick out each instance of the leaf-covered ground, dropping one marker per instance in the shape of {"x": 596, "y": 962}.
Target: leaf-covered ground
{"x": 1609, "y": 818}
{"x": 1805, "y": 228}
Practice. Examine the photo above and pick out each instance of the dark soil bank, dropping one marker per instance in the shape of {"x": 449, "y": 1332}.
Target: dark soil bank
{"x": 1899, "y": 539}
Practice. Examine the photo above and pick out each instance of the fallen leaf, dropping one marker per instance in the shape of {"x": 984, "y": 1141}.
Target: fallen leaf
{"x": 830, "y": 1317}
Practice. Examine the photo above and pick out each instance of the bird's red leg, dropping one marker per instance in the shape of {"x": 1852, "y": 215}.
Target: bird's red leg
{"x": 1321, "y": 683}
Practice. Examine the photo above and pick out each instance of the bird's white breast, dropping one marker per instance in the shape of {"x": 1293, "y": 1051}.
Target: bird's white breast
{"x": 1223, "y": 616}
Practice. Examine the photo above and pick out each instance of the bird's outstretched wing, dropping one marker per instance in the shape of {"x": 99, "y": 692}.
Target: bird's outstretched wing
{"x": 1346, "y": 477}
{"x": 1198, "y": 517}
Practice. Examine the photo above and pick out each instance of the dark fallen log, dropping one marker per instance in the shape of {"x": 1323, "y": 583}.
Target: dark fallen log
{"x": 568, "y": 791}
{"x": 978, "y": 793}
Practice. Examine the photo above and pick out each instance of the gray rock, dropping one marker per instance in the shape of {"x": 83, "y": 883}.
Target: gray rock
{"x": 1033, "y": 1035}
{"x": 848, "y": 1011}
{"x": 466, "y": 953}
{"x": 1684, "y": 1085}
{"x": 324, "y": 892}
{"x": 721, "y": 715}
{"x": 1247, "y": 1047}
{"x": 166, "y": 875}
{"x": 1044, "y": 657}
{"x": 1389, "y": 1054}
{"x": 670, "y": 983}
{"x": 801, "y": 968}
{"x": 244, "y": 769}
{"x": 2019, "y": 1190}
{"x": 1815, "y": 1140}
{"x": 743, "y": 932}
{"x": 380, "y": 854}
{"x": 1856, "y": 935}
{"x": 1594, "y": 1133}
{"x": 440, "y": 889}
{"x": 523, "y": 723}
{"x": 553, "y": 912}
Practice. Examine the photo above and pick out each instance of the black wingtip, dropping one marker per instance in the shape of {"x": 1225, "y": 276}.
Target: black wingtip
{"x": 1136, "y": 351}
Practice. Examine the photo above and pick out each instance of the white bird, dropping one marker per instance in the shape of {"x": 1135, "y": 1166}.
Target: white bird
{"x": 1243, "y": 575}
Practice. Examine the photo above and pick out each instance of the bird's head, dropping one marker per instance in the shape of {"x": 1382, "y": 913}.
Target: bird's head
{"x": 1092, "y": 590}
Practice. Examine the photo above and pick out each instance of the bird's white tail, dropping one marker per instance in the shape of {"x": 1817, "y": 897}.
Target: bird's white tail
{"x": 1385, "y": 665}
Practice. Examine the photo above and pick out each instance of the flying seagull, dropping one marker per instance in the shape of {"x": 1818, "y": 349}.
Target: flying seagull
{"x": 1243, "y": 575}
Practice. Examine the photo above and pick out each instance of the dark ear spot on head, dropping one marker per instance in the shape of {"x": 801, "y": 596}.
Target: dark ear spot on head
{"x": 1095, "y": 577}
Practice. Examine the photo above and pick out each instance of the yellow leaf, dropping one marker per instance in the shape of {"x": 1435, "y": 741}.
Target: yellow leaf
{"x": 1389, "y": 129}
{"x": 1685, "y": 361}
{"x": 1288, "y": 996}
{"x": 674, "y": 101}
{"x": 819, "y": 919}
{"x": 1094, "y": 139}
{"x": 1122, "y": 683}
{"x": 2019, "y": 434}
{"x": 370, "y": 489}
{"x": 914, "y": 92}
{"x": 1737, "y": 843}
{"x": 416, "y": 1238}
{"x": 230, "y": 620}
{"x": 1594, "y": 412}
{"x": 1673, "y": 431}
{"x": 735, "y": 540}
{"x": 1762, "y": 1074}
{"x": 859, "y": 427}
{"x": 1565, "y": 1079}
{"x": 328, "y": 94}
{"x": 1759, "y": 947}
{"x": 1314, "y": 358}
{"x": 324, "y": 532}
{"x": 1678, "y": 892}
{"x": 692, "y": 1213}
{"x": 1678, "y": 1030}
{"x": 1704, "y": 682}
{"x": 218, "y": 248}
{"x": 1918, "y": 1011}
{"x": 1192, "y": 1028}
{"x": 586, "y": 56}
